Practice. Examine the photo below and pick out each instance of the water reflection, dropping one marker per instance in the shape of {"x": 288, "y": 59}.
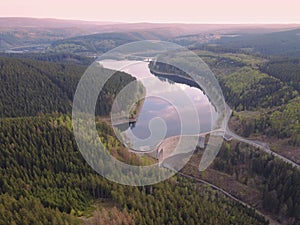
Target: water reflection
{"x": 167, "y": 103}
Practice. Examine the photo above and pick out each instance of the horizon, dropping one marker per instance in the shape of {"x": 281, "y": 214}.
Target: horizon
{"x": 134, "y": 11}
{"x": 149, "y": 22}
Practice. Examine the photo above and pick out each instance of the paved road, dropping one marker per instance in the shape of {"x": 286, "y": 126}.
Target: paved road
{"x": 257, "y": 144}
{"x": 262, "y": 146}
{"x": 174, "y": 139}
{"x": 227, "y": 135}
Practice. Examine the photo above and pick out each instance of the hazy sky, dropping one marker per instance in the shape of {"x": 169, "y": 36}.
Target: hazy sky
{"x": 191, "y": 11}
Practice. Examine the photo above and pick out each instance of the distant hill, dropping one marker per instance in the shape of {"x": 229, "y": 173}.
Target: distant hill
{"x": 284, "y": 43}
{"x": 30, "y": 34}
{"x": 62, "y": 58}
{"x": 37, "y": 35}
{"x": 48, "y": 23}
{"x": 102, "y": 42}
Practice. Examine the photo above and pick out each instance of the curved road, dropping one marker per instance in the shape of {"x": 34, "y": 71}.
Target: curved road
{"x": 257, "y": 144}
{"x": 262, "y": 146}
{"x": 228, "y": 135}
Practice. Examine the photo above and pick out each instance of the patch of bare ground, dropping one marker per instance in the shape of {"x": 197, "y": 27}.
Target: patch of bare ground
{"x": 106, "y": 212}
{"x": 227, "y": 182}
{"x": 282, "y": 147}
{"x": 247, "y": 192}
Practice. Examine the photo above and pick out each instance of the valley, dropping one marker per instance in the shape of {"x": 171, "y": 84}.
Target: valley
{"x": 255, "y": 177}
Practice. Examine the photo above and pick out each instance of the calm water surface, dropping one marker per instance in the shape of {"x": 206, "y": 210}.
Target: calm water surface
{"x": 169, "y": 108}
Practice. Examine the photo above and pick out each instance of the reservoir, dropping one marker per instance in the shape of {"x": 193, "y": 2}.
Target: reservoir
{"x": 171, "y": 107}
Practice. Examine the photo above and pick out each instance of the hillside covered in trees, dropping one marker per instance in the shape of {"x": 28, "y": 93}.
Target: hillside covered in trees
{"x": 283, "y": 43}
{"x": 41, "y": 169}
{"x": 45, "y": 180}
{"x": 286, "y": 70}
{"x": 259, "y": 179}
{"x": 30, "y": 87}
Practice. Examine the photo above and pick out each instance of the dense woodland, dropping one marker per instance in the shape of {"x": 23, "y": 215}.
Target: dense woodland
{"x": 41, "y": 169}
{"x": 44, "y": 179}
{"x": 248, "y": 89}
{"x": 283, "y": 43}
{"x": 282, "y": 123}
{"x": 244, "y": 86}
{"x": 62, "y": 58}
{"x": 278, "y": 182}
{"x": 285, "y": 70}
{"x": 263, "y": 93}
{"x": 95, "y": 43}
{"x": 30, "y": 87}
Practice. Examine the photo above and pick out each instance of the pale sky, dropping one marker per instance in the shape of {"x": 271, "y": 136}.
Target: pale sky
{"x": 187, "y": 11}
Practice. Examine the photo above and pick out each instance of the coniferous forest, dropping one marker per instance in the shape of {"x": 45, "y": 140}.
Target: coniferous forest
{"x": 44, "y": 178}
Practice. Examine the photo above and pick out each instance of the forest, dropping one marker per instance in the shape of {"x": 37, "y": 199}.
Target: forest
{"x": 286, "y": 70}
{"x": 41, "y": 169}
{"x": 277, "y": 181}
{"x": 282, "y": 43}
{"x": 95, "y": 43}
{"x": 45, "y": 180}
{"x": 32, "y": 87}
{"x": 249, "y": 89}
{"x": 282, "y": 123}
